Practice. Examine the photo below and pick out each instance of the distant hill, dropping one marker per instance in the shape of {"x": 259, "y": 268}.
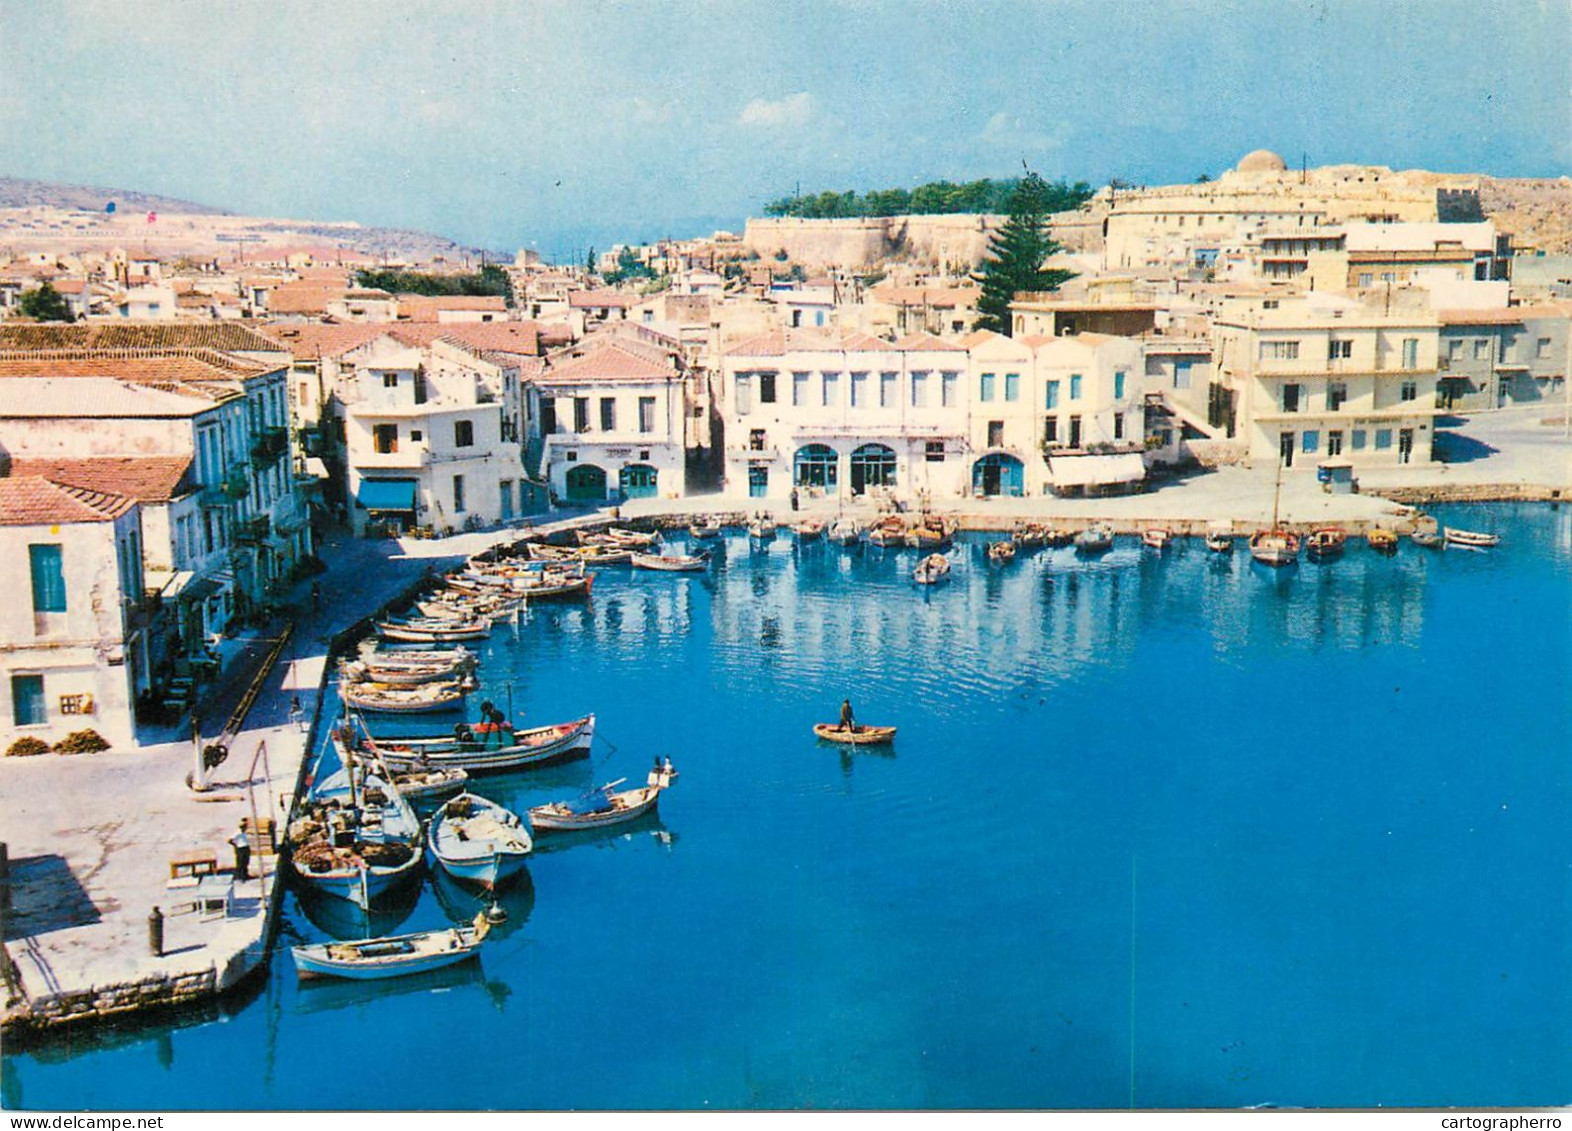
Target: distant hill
{"x": 18, "y": 192}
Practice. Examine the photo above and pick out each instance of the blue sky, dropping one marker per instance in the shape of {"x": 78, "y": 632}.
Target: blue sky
{"x": 561, "y": 124}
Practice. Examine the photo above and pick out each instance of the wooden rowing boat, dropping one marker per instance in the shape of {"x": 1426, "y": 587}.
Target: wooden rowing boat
{"x": 493, "y": 751}
{"x": 671, "y": 563}
{"x": 392, "y": 698}
{"x": 604, "y": 806}
{"x": 1001, "y": 553}
{"x": 1327, "y": 542}
{"x": 391, "y": 956}
{"x": 1382, "y": 540}
{"x": 857, "y": 736}
{"x": 477, "y": 841}
{"x": 1276, "y": 547}
{"x": 932, "y": 570}
{"x": 1470, "y": 538}
{"x": 433, "y": 632}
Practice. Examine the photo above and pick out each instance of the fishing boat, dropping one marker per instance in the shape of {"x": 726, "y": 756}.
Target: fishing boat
{"x": 392, "y": 956}
{"x": 381, "y": 668}
{"x": 604, "y": 806}
{"x": 1057, "y": 536}
{"x": 430, "y": 785}
{"x": 1429, "y": 539}
{"x": 392, "y": 698}
{"x": 704, "y": 528}
{"x": 931, "y": 533}
{"x": 845, "y": 532}
{"x": 632, "y": 539}
{"x": 477, "y": 841}
{"x": 1029, "y": 536}
{"x": 1220, "y": 538}
{"x": 1382, "y": 540}
{"x": 1471, "y": 538}
{"x": 887, "y": 532}
{"x": 361, "y": 871}
{"x": 354, "y": 838}
{"x": 1325, "y": 543}
{"x": 1001, "y": 553}
{"x": 671, "y": 563}
{"x": 1095, "y": 539}
{"x": 485, "y": 751}
{"x": 588, "y": 555}
{"x": 1156, "y": 538}
{"x": 762, "y": 527}
{"x": 468, "y": 607}
{"x": 858, "y": 735}
{"x": 932, "y": 570}
{"x": 433, "y": 631}
{"x": 809, "y": 529}
{"x": 1275, "y": 547}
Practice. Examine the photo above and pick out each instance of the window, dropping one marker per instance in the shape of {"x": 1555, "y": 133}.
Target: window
{"x": 920, "y": 389}
{"x": 818, "y": 317}
{"x": 1118, "y": 422}
{"x": 581, "y": 414}
{"x": 1051, "y": 399}
{"x": 1334, "y": 443}
{"x": 27, "y": 700}
{"x": 1356, "y": 439}
{"x": 996, "y": 433}
{"x": 933, "y": 451}
{"x": 757, "y": 441}
{"x": 1119, "y": 385}
{"x": 416, "y": 435}
{"x": 799, "y": 389}
{"x": 1454, "y": 349}
{"x": 1410, "y": 353}
{"x": 1280, "y": 351}
{"x": 1340, "y": 349}
{"x": 1290, "y": 398}
{"x": 766, "y": 388}
{"x": 1051, "y": 430}
{"x": 647, "y": 415}
{"x": 390, "y": 380}
{"x": 985, "y": 387}
{"x": 1366, "y": 278}
{"x": 1383, "y": 439}
{"x": 1481, "y": 349}
{"x": 1408, "y": 391}
{"x": 458, "y": 494}
{"x": 1336, "y": 394}
{"x": 1182, "y": 374}
{"x": 49, "y": 591}
{"x": 1075, "y": 431}
{"x": 1542, "y": 348}
{"x": 384, "y": 438}
{"x": 608, "y": 414}
{"x": 948, "y": 383}
{"x": 1311, "y": 440}
{"x": 887, "y": 390}
{"x": 1012, "y": 386}
{"x": 744, "y": 394}
{"x": 859, "y": 390}
{"x": 463, "y": 434}
{"x": 1075, "y": 386}
{"x": 832, "y": 389}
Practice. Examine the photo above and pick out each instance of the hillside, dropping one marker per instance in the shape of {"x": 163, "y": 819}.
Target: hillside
{"x": 19, "y": 192}
{"x": 1538, "y": 212}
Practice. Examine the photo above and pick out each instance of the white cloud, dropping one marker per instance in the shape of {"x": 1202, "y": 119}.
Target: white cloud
{"x": 793, "y": 110}
{"x": 647, "y": 113}
{"x": 1009, "y": 132}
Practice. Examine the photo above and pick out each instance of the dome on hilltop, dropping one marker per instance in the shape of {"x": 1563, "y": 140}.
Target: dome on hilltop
{"x": 1261, "y": 161}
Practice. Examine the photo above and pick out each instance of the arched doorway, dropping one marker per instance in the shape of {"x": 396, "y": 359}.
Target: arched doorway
{"x": 586, "y": 484}
{"x": 637, "y": 481}
{"x": 816, "y": 465}
{"x": 998, "y": 474}
{"x": 872, "y": 465}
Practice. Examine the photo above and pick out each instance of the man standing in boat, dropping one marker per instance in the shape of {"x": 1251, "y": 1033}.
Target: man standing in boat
{"x": 847, "y": 721}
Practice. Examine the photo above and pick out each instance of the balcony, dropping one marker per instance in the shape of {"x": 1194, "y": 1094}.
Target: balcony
{"x": 234, "y": 487}
{"x": 254, "y": 531}
{"x": 271, "y": 444}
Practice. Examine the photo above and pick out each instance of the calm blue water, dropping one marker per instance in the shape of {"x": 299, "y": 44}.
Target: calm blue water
{"x": 1172, "y": 832}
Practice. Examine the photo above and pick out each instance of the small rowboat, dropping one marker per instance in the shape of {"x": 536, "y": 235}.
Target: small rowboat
{"x": 931, "y": 534}
{"x": 1056, "y": 537}
{"x": 932, "y": 570}
{"x": 427, "y": 631}
{"x": 391, "y": 956}
{"x": 1277, "y": 547}
{"x": 477, "y": 841}
{"x": 845, "y": 532}
{"x": 1220, "y": 538}
{"x": 889, "y": 532}
{"x": 1382, "y": 540}
{"x": 1156, "y": 537}
{"x": 671, "y": 563}
{"x": 704, "y": 528}
{"x": 857, "y": 736}
{"x": 589, "y": 555}
{"x": 762, "y": 528}
{"x": 388, "y": 697}
{"x": 1429, "y": 539}
{"x": 809, "y": 529}
{"x": 429, "y": 786}
{"x": 376, "y": 669}
{"x": 1470, "y": 538}
{"x": 1328, "y": 542}
{"x": 601, "y": 807}
{"x": 1001, "y": 553}
{"x": 632, "y": 539}
{"x": 1029, "y": 536}
{"x": 1094, "y": 539}
{"x": 488, "y": 752}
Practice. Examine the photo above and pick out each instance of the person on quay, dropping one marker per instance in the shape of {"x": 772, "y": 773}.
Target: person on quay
{"x": 242, "y": 846}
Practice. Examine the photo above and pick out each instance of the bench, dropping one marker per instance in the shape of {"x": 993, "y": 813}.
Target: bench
{"x": 193, "y": 866}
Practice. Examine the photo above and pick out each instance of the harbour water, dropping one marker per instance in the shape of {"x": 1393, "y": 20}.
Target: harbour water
{"x": 1169, "y": 831}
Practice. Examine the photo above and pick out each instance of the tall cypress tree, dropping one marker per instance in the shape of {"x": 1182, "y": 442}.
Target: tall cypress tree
{"x": 1016, "y": 254}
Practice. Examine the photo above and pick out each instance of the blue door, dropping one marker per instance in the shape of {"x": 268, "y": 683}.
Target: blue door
{"x": 758, "y": 482}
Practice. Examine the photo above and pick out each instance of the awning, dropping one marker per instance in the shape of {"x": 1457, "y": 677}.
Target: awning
{"x": 386, "y": 494}
{"x": 204, "y": 587}
{"x": 1091, "y": 471}
{"x": 166, "y": 582}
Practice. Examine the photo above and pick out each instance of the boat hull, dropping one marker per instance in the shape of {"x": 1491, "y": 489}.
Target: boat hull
{"x": 862, "y": 736}
{"x": 545, "y": 819}
{"x": 560, "y": 742}
{"x": 428, "y": 950}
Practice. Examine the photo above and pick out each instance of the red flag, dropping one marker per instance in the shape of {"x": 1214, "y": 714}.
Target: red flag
{"x": 152, "y": 217}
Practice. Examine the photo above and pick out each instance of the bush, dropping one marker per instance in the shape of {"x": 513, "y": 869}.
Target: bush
{"x": 81, "y": 742}
{"x": 26, "y": 746}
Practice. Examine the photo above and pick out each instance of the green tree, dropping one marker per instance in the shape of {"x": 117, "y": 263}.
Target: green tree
{"x": 1016, "y": 254}
{"x": 589, "y": 260}
{"x": 44, "y": 304}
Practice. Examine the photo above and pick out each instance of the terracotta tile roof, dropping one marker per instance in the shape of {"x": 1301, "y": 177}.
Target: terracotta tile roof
{"x": 104, "y": 398}
{"x": 314, "y": 340}
{"x": 927, "y": 342}
{"x": 554, "y": 334}
{"x": 303, "y": 298}
{"x": 590, "y": 299}
{"x": 147, "y": 479}
{"x": 610, "y": 362}
{"x": 979, "y": 337}
{"x": 426, "y": 305}
{"x": 234, "y": 337}
{"x": 205, "y": 370}
{"x": 33, "y": 501}
{"x": 1036, "y": 341}
{"x": 1497, "y": 317}
{"x": 502, "y": 337}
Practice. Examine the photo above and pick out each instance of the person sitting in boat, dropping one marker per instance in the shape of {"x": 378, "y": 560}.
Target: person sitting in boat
{"x": 463, "y": 733}
{"x": 848, "y": 722}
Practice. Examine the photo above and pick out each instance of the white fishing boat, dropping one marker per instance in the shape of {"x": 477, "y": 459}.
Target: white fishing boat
{"x": 484, "y": 748}
{"x": 1095, "y": 539}
{"x": 355, "y": 837}
{"x": 704, "y": 528}
{"x": 399, "y": 699}
{"x": 809, "y": 529}
{"x": 845, "y": 532}
{"x": 1275, "y": 547}
{"x": 1156, "y": 538}
{"x": 1001, "y": 553}
{"x": 391, "y": 956}
{"x": 932, "y": 570}
{"x": 380, "y": 667}
{"x": 678, "y": 563}
{"x": 604, "y": 806}
{"x": 762, "y": 527}
{"x": 433, "y": 630}
{"x": 1471, "y": 538}
{"x": 477, "y": 841}
{"x": 1220, "y": 538}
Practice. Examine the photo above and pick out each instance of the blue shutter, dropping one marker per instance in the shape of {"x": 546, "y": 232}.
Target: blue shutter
{"x": 49, "y": 592}
{"x": 27, "y": 700}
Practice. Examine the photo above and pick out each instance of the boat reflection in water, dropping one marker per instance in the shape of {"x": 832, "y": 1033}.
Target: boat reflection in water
{"x": 342, "y": 919}
{"x": 318, "y": 994}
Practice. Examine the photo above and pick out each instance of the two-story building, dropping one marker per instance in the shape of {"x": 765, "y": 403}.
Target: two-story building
{"x": 1093, "y": 412}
